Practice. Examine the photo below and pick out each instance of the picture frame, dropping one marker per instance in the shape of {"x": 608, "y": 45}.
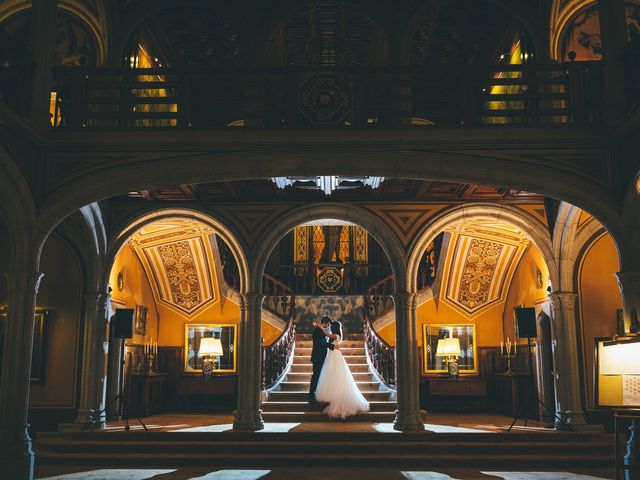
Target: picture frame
{"x": 140, "y": 324}
{"x": 228, "y": 335}
{"x": 432, "y": 332}
{"x": 39, "y": 351}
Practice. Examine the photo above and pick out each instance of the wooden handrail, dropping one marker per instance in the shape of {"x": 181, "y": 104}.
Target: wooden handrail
{"x": 381, "y": 355}
{"x": 276, "y": 357}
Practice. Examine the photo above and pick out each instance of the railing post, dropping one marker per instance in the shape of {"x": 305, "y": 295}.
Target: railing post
{"x": 184, "y": 100}
{"x": 471, "y": 98}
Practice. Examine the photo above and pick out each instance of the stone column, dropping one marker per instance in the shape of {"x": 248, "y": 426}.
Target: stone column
{"x": 613, "y": 32}
{"x": 41, "y": 40}
{"x": 92, "y": 386}
{"x": 408, "y": 416}
{"x": 16, "y": 454}
{"x": 629, "y": 284}
{"x": 248, "y": 414}
{"x": 566, "y": 367}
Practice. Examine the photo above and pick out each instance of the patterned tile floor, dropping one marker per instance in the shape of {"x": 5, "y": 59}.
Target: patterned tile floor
{"x": 329, "y": 473}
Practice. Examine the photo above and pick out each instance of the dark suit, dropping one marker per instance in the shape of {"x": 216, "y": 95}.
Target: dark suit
{"x": 318, "y": 354}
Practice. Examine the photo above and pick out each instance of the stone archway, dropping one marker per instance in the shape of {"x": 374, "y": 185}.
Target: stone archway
{"x": 512, "y": 216}
{"x": 407, "y": 414}
{"x": 564, "y": 331}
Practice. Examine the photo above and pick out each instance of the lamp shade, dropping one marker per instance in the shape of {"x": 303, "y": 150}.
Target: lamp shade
{"x": 448, "y": 347}
{"x": 210, "y": 346}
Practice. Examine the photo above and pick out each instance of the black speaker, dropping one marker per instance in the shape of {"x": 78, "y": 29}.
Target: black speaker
{"x": 526, "y": 322}
{"x": 122, "y": 323}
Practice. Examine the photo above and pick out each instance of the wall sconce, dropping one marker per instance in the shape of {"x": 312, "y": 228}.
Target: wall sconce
{"x": 210, "y": 348}
{"x": 450, "y": 349}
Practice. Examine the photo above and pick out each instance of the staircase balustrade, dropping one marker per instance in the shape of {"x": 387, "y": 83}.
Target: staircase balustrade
{"x": 378, "y": 299}
{"x": 365, "y": 97}
{"x": 276, "y": 357}
{"x": 382, "y": 356}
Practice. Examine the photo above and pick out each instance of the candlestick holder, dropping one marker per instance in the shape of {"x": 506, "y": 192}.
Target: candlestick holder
{"x": 508, "y": 356}
{"x": 150, "y": 357}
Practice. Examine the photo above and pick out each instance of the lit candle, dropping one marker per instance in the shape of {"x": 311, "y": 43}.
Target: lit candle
{"x": 501, "y": 347}
{"x": 156, "y": 347}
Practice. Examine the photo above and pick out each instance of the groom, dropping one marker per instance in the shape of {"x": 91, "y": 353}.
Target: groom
{"x": 318, "y": 354}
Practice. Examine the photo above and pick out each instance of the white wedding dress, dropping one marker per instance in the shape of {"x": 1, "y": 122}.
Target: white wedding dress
{"x": 337, "y": 387}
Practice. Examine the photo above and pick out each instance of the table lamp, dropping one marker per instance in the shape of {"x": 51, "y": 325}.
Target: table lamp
{"x": 209, "y": 349}
{"x": 450, "y": 349}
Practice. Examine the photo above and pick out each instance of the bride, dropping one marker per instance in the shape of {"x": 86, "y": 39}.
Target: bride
{"x": 336, "y": 384}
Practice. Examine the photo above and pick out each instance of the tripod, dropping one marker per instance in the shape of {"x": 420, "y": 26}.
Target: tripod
{"x": 521, "y": 413}
{"x": 123, "y": 405}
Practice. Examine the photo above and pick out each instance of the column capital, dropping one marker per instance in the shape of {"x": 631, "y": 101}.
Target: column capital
{"x": 563, "y": 299}
{"x": 406, "y": 300}
{"x": 24, "y": 281}
{"x": 628, "y": 282}
{"x": 251, "y": 300}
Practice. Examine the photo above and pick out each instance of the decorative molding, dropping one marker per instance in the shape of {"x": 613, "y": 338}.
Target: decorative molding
{"x": 405, "y": 220}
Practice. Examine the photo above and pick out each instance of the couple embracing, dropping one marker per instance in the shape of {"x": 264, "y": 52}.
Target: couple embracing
{"x": 332, "y": 381}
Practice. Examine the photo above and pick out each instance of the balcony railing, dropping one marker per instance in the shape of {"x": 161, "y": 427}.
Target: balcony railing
{"x": 315, "y": 97}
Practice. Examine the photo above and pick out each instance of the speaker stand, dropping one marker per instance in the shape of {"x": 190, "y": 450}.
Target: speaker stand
{"x": 121, "y": 398}
{"x": 522, "y": 411}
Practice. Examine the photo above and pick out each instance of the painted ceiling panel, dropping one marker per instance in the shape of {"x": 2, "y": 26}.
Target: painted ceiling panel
{"x": 178, "y": 259}
{"x": 480, "y": 264}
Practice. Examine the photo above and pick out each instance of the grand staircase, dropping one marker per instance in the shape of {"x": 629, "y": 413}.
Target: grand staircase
{"x": 287, "y": 401}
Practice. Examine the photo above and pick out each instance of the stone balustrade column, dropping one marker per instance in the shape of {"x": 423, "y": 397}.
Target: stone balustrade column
{"x": 248, "y": 416}
{"x": 41, "y": 41}
{"x": 629, "y": 284}
{"x": 408, "y": 417}
{"x": 93, "y": 380}
{"x": 566, "y": 365}
{"x": 16, "y": 453}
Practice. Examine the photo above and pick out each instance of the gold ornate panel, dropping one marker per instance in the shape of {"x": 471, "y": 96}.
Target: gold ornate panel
{"x": 480, "y": 264}
{"x": 178, "y": 259}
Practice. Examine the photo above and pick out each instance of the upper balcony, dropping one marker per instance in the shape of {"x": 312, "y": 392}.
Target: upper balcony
{"x": 292, "y": 97}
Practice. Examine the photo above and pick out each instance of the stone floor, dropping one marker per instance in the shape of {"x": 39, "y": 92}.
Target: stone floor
{"x": 329, "y": 473}
{"x": 437, "y": 423}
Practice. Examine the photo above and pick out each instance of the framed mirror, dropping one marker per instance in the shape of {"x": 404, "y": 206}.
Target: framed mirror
{"x": 38, "y": 354}
{"x": 466, "y": 333}
{"x": 225, "y": 332}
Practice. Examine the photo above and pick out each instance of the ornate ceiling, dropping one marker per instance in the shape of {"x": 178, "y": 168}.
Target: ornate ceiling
{"x": 479, "y": 267}
{"x": 178, "y": 259}
{"x": 392, "y": 189}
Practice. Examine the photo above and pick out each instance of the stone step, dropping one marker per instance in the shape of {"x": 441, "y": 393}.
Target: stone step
{"x": 350, "y": 359}
{"x": 306, "y": 351}
{"x": 320, "y": 448}
{"x": 301, "y": 386}
{"x": 307, "y": 367}
{"x": 287, "y": 417}
{"x": 345, "y": 343}
{"x": 305, "y": 377}
{"x": 303, "y": 396}
{"x": 302, "y": 406}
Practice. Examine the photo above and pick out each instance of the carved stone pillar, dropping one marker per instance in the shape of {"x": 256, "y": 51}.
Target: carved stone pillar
{"x": 92, "y": 386}
{"x": 41, "y": 41}
{"x": 16, "y": 454}
{"x": 566, "y": 366}
{"x": 629, "y": 284}
{"x": 613, "y": 32}
{"x": 408, "y": 417}
{"x": 248, "y": 416}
